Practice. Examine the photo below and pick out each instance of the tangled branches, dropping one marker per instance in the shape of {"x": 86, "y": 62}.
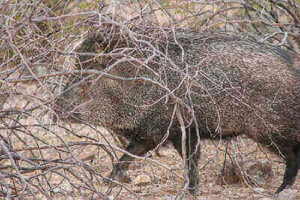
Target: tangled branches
{"x": 40, "y": 53}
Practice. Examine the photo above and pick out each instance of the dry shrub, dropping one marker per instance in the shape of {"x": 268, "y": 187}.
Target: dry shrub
{"x": 43, "y": 159}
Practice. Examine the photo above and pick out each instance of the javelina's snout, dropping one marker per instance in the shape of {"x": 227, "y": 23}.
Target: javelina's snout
{"x": 68, "y": 104}
{"x": 227, "y": 86}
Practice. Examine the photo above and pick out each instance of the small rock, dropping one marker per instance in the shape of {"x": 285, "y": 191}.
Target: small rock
{"x": 259, "y": 190}
{"x": 266, "y": 198}
{"x": 142, "y": 180}
{"x": 56, "y": 190}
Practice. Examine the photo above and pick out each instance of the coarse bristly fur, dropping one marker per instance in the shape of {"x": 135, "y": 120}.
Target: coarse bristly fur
{"x": 223, "y": 85}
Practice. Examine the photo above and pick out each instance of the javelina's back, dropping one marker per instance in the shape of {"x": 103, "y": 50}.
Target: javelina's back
{"x": 225, "y": 85}
{"x": 247, "y": 87}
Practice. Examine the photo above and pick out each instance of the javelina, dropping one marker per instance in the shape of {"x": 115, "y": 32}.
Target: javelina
{"x": 223, "y": 85}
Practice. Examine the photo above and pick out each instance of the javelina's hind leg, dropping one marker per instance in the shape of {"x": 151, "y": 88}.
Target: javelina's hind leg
{"x": 193, "y": 156}
{"x": 119, "y": 169}
{"x": 292, "y": 159}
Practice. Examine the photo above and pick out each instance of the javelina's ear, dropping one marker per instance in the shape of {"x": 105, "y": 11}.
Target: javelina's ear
{"x": 96, "y": 52}
{"x": 89, "y": 53}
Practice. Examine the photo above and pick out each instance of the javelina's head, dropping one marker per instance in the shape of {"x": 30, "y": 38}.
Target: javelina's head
{"x": 96, "y": 101}
{"x": 97, "y": 98}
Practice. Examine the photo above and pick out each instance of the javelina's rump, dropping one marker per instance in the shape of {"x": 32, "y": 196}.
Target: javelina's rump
{"x": 227, "y": 86}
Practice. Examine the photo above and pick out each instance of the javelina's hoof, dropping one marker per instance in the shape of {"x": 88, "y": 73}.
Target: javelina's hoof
{"x": 194, "y": 190}
{"x": 113, "y": 181}
{"x": 118, "y": 175}
{"x": 286, "y": 194}
{"x": 184, "y": 195}
{"x": 193, "y": 187}
{"x": 121, "y": 177}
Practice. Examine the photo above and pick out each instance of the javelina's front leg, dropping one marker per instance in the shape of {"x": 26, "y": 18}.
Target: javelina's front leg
{"x": 138, "y": 148}
{"x": 193, "y": 155}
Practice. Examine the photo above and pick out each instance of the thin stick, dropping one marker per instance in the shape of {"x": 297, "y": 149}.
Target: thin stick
{"x": 183, "y": 146}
